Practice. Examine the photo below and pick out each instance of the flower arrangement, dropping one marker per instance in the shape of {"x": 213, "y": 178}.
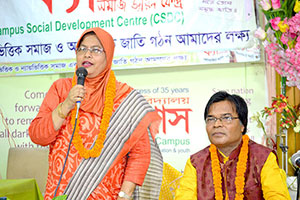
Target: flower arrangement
{"x": 281, "y": 37}
{"x": 289, "y": 117}
{"x": 268, "y": 140}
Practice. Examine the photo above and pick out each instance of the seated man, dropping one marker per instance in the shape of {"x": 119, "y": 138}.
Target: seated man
{"x": 233, "y": 166}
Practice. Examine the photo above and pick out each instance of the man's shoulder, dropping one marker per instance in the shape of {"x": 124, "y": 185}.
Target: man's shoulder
{"x": 202, "y": 152}
{"x": 198, "y": 159}
{"x": 258, "y": 150}
{"x": 254, "y": 145}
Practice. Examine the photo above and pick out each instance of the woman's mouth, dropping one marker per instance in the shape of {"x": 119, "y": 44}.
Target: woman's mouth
{"x": 87, "y": 64}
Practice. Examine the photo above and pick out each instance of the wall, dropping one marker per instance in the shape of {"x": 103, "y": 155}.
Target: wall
{"x": 21, "y": 97}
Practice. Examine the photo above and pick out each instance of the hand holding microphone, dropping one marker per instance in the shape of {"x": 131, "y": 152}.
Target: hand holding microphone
{"x": 81, "y": 73}
{"x": 77, "y": 93}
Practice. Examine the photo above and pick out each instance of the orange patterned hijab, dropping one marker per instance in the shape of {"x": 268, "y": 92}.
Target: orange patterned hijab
{"x": 94, "y": 99}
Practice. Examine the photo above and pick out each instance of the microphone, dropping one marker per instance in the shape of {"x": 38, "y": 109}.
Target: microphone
{"x": 296, "y": 159}
{"x": 81, "y": 73}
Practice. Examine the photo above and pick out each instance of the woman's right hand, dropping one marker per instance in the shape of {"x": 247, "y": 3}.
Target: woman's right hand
{"x": 76, "y": 93}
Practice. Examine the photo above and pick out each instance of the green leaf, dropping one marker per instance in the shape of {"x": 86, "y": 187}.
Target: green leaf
{"x": 62, "y": 197}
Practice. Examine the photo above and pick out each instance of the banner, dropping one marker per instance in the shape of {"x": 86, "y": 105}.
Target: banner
{"x": 41, "y": 36}
{"x": 179, "y": 95}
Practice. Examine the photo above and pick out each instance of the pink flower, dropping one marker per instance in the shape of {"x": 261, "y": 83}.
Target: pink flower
{"x": 274, "y": 23}
{"x": 265, "y": 4}
{"x": 293, "y": 35}
{"x": 276, "y": 4}
{"x": 294, "y": 23}
{"x": 297, "y": 47}
{"x": 284, "y": 39}
{"x": 260, "y": 34}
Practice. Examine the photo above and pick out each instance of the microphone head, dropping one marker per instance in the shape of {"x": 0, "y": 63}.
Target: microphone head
{"x": 296, "y": 159}
{"x": 81, "y": 73}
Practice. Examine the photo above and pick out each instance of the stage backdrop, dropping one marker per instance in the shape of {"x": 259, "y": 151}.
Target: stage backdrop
{"x": 179, "y": 94}
{"x": 39, "y": 36}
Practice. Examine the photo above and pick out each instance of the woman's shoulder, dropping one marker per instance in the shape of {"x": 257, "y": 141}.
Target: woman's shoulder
{"x": 63, "y": 80}
{"x": 62, "y": 83}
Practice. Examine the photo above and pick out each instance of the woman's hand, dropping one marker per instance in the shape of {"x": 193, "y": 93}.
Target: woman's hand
{"x": 59, "y": 114}
{"x": 77, "y": 93}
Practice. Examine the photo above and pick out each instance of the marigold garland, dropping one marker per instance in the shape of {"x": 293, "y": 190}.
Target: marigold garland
{"x": 240, "y": 170}
{"x": 110, "y": 94}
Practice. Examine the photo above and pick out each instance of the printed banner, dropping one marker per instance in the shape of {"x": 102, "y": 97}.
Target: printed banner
{"x": 179, "y": 97}
{"x": 42, "y": 35}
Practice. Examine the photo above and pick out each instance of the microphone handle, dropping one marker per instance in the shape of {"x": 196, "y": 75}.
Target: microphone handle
{"x": 78, "y": 103}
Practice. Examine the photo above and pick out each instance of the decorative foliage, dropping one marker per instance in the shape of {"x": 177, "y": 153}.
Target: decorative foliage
{"x": 289, "y": 114}
{"x": 281, "y": 37}
{"x": 289, "y": 117}
{"x": 269, "y": 141}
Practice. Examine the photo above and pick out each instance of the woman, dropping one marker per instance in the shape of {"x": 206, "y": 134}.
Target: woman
{"x": 113, "y": 144}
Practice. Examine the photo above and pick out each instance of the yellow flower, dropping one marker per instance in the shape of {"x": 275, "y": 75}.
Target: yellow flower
{"x": 297, "y": 6}
{"x": 283, "y": 27}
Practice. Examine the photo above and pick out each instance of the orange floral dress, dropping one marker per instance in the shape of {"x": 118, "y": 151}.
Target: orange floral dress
{"x": 42, "y": 132}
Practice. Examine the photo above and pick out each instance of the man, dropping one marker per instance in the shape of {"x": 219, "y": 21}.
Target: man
{"x": 232, "y": 167}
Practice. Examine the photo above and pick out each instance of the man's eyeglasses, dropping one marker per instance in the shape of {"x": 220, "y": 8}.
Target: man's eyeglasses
{"x": 95, "y": 51}
{"x": 224, "y": 119}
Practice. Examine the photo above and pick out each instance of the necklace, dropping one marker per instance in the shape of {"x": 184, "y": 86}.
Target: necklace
{"x": 110, "y": 94}
{"x": 240, "y": 171}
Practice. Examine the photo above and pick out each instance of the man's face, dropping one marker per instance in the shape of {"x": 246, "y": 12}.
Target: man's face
{"x": 224, "y": 133}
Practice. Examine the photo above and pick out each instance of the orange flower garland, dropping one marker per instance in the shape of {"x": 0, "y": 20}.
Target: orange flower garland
{"x": 216, "y": 172}
{"x": 240, "y": 170}
{"x": 110, "y": 94}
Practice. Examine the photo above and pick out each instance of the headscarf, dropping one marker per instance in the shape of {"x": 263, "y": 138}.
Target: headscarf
{"x": 95, "y": 87}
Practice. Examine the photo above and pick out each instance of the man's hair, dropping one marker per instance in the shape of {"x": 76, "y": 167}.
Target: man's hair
{"x": 239, "y": 103}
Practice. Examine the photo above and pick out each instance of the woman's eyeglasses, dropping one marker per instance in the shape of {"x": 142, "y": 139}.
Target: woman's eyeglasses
{"x": 95, "y": 51}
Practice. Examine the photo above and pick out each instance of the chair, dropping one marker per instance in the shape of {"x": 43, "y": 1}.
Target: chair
{"x": 26, "y": 163}
{"x": 170, "y": 182}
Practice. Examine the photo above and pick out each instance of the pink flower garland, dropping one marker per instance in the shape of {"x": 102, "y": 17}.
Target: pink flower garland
{"x": 287, "y": 61}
